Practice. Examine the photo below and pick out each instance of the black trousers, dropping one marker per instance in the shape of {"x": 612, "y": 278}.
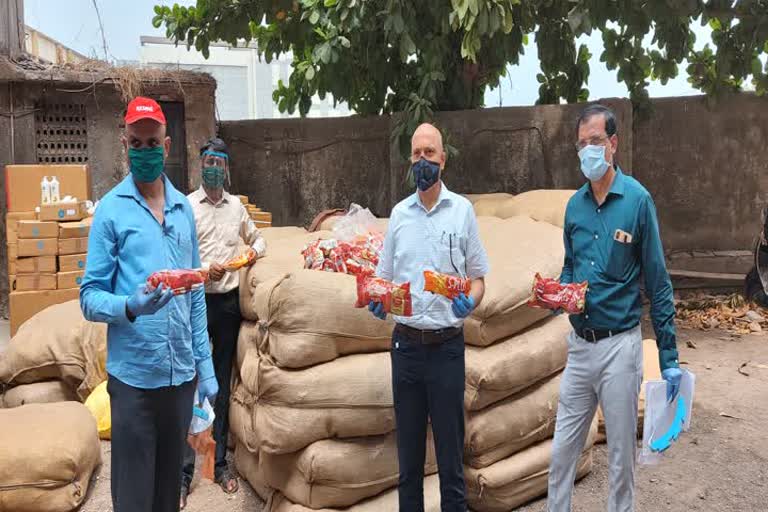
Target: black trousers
{"x": 149, "y": 432}
{"x": 428, "y": 381}
{"x": 223, "y": 328}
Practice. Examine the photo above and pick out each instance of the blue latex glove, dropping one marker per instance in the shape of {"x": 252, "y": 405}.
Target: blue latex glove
{"x": 462, "y": 306}
{"x": 148, "y": 303}
{"x": 377, "y": 308}
{"x": 672, "y": 376}
{"x": 208, "y": 388}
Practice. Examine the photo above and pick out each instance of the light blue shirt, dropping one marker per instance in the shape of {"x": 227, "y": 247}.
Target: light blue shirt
{"x": 125, "y": 246}
{"x": 445, "y": 240}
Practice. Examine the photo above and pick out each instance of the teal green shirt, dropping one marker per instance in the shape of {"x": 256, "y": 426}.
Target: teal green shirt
{"x": 610, "y": 247}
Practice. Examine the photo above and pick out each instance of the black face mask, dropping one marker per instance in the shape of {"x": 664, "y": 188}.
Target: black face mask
{"x": 425, "y": 173}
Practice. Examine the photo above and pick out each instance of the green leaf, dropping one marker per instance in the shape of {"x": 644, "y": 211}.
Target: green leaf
{"x": 314, "y": 17}
{"x": 325, "y": 53}
{"x": 344, "y": 42}
{"x": 482, "y": 22}
{"x": 310, "y": 73}
{"x": 715, "y": 24}
{"x": 330, "y": 3}
{"x": 398, "y": 22}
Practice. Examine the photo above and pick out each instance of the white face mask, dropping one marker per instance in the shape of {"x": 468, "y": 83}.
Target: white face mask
{"x": 593, "y": 162}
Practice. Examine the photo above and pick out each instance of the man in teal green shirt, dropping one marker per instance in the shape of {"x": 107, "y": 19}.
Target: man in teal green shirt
{"x": 611, "y": 238}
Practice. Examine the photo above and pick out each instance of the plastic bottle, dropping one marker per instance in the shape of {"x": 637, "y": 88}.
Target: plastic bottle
{"x": 55, "y": 193}
{"x": 45, "y": 191}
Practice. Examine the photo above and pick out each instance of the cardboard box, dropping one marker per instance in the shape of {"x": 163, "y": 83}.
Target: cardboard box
{"x": 66, "y": 280}
{"x": 72, "y": 262}
{"x": 11, "y": 223}
{"x": 13, "y": 251}
{"x": 243, "y": 199}
{"x": 36, "y": 265}
{"x": 25, "y": 305}
{"x": 40, "y": 247}
{"x": 11, "y": 267}
{"x": 63, "y": 212}
{"x": 37, "y": 229}
{"x": 11, "y": 282}
{"x": 80, "y": 229}
{"x": 29, "y": 282}
{"x": 262, "y": 216}
{"x": 262, "y": 225}
{"x": 72, "y": 246}
{"x": 22, "y": 184}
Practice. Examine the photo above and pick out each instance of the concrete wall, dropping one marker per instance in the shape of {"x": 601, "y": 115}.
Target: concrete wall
{"x": 296, "y": 168}
{"x": 104, "y": 112}
{"x": 707, "y": 168}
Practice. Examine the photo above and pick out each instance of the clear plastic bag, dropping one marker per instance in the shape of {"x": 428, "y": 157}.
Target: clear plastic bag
{"x": 357, "y": 222}
{"x": 661, "y": 416}
{"x": 202, "y": 416}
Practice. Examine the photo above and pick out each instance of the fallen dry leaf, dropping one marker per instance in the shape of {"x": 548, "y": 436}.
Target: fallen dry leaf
{"x": 742, "y": 370}
{"x": 726, "y": 415}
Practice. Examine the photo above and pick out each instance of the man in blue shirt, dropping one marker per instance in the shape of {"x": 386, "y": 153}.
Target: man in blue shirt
{"x": 157, "y": 342}
{"x": 611, "y": 238}
{"x": 433, "y": 229}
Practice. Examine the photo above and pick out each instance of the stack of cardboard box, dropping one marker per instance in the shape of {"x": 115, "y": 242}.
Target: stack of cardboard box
{"x": 262, "y": 219}
{"x": 46, "y": 248}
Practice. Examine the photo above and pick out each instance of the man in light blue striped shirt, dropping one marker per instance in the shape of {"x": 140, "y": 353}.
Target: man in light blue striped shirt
{"x": 433, "y": 229}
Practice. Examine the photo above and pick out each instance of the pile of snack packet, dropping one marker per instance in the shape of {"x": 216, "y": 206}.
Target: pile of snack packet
{"x": 357, "y": 257}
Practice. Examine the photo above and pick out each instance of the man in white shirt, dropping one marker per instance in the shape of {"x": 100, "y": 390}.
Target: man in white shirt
{"x": 223, "y": 230}
{"x": 433, "y": 229}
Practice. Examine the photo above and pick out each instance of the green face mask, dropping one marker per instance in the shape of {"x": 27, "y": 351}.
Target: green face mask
{"x": 213, "y": 177}
{"x": 146, "y": 163}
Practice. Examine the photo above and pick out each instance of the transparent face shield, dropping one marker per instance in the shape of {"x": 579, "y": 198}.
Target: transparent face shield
{"x": 215, "y": 173}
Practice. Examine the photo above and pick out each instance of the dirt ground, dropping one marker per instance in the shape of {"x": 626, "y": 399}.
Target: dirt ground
{"x": 720, "y": 465}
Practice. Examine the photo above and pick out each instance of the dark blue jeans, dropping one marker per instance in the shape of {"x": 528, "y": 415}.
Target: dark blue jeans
{"x": 428, "y": 382}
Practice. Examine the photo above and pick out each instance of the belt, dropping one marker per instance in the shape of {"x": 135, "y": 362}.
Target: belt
{"x": 595, "y": 335}
{"x": 427, "y": 337}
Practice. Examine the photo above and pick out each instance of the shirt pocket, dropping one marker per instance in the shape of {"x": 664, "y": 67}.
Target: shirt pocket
{"x": 451, "y": 255}
{"x": 621, "y": 259}
{"x": 231, "y": 234}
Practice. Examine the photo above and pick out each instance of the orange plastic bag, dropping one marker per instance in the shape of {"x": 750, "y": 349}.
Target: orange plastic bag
{"x": 550, "y": 294}
{"x": 240, "y": 261}
{"x": 205, "y": 448}
{"x": 446, "y": 285}
{"x": 180, "y": 281}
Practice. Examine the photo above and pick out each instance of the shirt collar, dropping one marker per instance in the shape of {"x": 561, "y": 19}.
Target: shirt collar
{"x": 445, "y": 195}
{"x": 202, "y": 197}
{"x": 617, "y": 187}
{"x": 128, "y": 188}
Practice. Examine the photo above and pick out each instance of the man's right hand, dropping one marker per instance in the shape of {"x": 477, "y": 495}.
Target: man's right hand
{"x": 144, "y": 302}
{"x": 377, "y": 308}
{"x": 216, "y": 272}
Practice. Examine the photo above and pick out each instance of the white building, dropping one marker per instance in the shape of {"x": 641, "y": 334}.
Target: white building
{"x": 244, "y": 82}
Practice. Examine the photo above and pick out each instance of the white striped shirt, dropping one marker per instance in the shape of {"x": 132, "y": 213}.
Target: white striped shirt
{"x": 445, "y": 240}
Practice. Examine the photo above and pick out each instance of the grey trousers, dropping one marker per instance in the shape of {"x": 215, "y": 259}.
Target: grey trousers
{"x": 610, "y": 373}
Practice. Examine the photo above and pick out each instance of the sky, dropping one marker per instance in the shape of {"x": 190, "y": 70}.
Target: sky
{"x": 125, "y": 21}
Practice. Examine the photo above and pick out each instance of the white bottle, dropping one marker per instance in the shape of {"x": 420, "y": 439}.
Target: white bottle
{"x": 55, "y": 194}
{"x": 45, "y": 191}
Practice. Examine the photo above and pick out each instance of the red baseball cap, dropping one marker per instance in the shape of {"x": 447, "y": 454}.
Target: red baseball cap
{"x": 144, "y": 108}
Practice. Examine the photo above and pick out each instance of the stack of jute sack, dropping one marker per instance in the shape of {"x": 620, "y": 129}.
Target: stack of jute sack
{"x": 313, "y": 381}
{"x": 541, "y": 205}
{"x": 49, "y": 450}
{"x": 55, "y": 356}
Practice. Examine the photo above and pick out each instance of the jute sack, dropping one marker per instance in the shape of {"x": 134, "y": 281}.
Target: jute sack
{"x": 57, "y": 343}
{"x": 247, "y": 464}
{"x": 339, "y": 473}
{"x": 511, "y": 425}
{"x": 308, "y": 317}
{"x": 507, "y": 367}
{"x": 348, "y": 397}
{"x": 651, "y": 371}
{"x": 517, "y": 248}
{"x": 38, "y": 393}
{"x": 47, "y": 456}
{"x": 283, "y": 255}
{"x": 473, "y": 198}
{"x": 541, "y": 205}
{"x": 488, "y": 205}
{"x": 385, "y": 502}
{"x": 520, "y": 478}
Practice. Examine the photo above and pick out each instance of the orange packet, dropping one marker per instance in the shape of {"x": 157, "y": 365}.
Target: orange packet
{"x": 445, "y": 284}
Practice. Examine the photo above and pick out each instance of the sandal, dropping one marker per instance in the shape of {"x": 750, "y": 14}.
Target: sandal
{"x": 183, "y": 497}
{"x": 228, "y": 482}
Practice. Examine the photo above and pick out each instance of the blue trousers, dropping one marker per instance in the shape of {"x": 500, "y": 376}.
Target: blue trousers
{"x": 428, "y": 383}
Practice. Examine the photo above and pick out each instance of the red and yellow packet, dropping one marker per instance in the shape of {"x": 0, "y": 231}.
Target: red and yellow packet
{"x": 180, "y": 281}
{"x": 396, "y": 298}
{"x": 445, "y": 284}
{"x": 242, "y": 260}
{"x": 548, "y": 293}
